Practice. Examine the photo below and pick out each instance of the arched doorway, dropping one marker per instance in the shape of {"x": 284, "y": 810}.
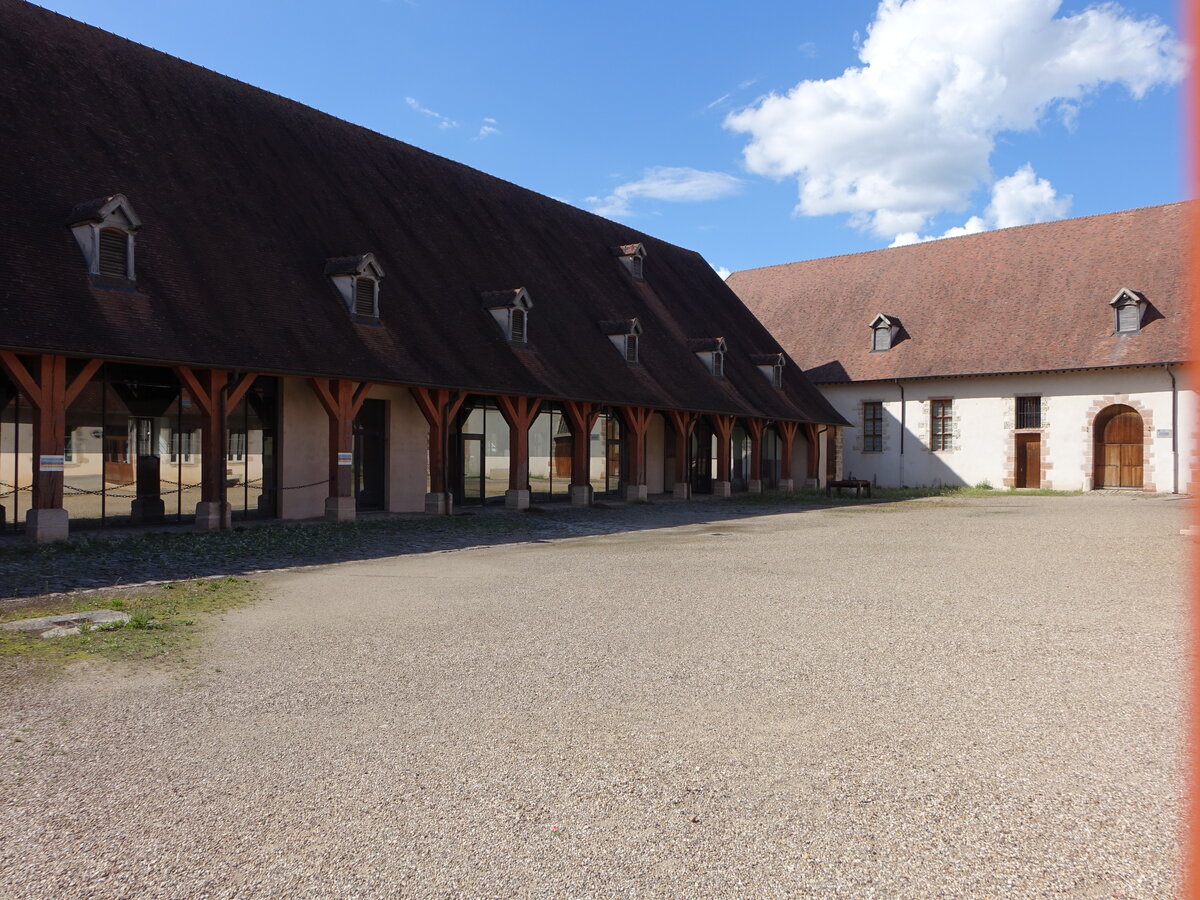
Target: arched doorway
{"x": 1118, "y": 436}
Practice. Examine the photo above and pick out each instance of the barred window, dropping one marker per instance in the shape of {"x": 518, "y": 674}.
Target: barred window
{"x": 941, "y": 418}
{"x": 873, "y": 426}
{"x": 1029, "y": 412}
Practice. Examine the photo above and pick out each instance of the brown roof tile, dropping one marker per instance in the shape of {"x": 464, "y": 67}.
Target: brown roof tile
{"x": 1016, "y": 300}
{"x": 244, "y": 196}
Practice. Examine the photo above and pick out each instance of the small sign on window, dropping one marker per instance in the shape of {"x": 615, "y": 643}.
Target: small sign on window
{"x": 345, "y": 459}
{"x": 1164, "y": 432}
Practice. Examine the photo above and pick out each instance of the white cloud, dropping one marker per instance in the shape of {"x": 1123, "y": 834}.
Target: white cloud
{"x": 487, "y": 129}
{"x": 1019, "y": 199}
{"x": 723, "y": 272}
{"x": 674, "y": 184}
{"x": 909, "y": 133}
{"x": 442, "y": 121}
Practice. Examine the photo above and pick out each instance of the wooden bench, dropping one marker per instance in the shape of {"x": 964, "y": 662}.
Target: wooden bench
{"x": 859, "y": 485}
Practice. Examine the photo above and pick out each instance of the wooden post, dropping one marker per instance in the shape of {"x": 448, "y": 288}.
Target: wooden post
{"x": 581, "y": 417}
{"x": 755, "y": 428}
{"x": 342, "y": 399}
{"x": 637, "y": 422}
{"x": 49, "y": 395}
{"x": 814, "y": 454}
{"x": 787, "y": 436}
{"x": 439, "y": 406}
{"x": 519, "y": 413}
{"x": 683, "y": 424}
{"x": 213, "y": 393}
{"x": 723, "y": 427}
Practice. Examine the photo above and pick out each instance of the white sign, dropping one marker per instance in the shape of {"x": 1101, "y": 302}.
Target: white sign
{"x": 51, "y": 463}
{"x": 345, "y": 459}
{"x": 1164, "y": 432}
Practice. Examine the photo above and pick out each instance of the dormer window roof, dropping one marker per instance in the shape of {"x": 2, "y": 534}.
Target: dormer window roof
{"x": 510, "y": 309}
{"x": 884, "y": 331}
{"x": 632, "y": 257}
{"x": 711, "y": 352}
{"x": 356, "y": 279}
{"x": 771, "y": 366}
{"x": 1128, "y": 306}
{"x": 624, "y": 334}
{"x": 103, "y": 228}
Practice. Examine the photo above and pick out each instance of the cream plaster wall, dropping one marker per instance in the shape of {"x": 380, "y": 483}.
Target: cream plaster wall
{"x": 407, "y": 450}
{"x": 303, "y": 450}
{"x": 984, "y": 420}
{"x": 655, "y": 450}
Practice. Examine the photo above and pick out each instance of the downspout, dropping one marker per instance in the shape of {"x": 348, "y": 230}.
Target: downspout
{"x": 1174, "y": 431}
{"x": 903, "y": 428}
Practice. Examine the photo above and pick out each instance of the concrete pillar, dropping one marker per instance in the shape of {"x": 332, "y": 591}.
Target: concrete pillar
{"x": 682, "y": 490}
{"x": 580, "y": 494}
{"x": 754, "y": 486}
{"x": 439, "y": 504}
{"x": 787, "y": 484}
{"x": 341, "y": 509}
{"x": 722, "y": 489}
{"x": 43, "y": 525}
{"x": 213, "y": 515}
{"x": 515, "y": 498}
{"x": 637, "y": 493}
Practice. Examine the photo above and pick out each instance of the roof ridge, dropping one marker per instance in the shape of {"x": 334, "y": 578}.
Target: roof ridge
{"x": 978, "y": 234}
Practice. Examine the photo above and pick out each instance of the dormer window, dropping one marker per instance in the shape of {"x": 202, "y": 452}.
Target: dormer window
{"x": 356, "y": 279}
{"x": 1128, "y": 306}
{"x": 103, "y": 229}
{"x": 884, "y": 332}
{"x": 710, "y": 352}
{"x": 771, "y": 367}
{"x": 510, "y": 310}
{"x": 632, "y": 257}
{"x": 624, "y": 334}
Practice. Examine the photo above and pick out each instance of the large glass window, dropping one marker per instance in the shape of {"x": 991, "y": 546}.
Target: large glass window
{"x": 483, "y": 458}
{"x": 605, "y": 448}
{"x": 942, "y": 417}
{"x": 549, "y": 454}
{"x": 873, "y": 426}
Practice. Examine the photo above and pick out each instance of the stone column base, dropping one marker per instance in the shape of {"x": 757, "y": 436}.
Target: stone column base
{"x": 516, "y": 499}
{"x": 722, "y": 489}
{"x": 754, "y": 485}
{"x": 581, "y": 494}
{"x": 439, "y": 504}
{"x": 787, "y": 484}
{"x": 682, "y": 491}
{"x": 812, "y": 482}
{"x": 212, "y": 515}
{"x": 340, "y": 509}
{"x": 148, "y": 511}
{"x": 43, "y": 525}
{"x": 637, "y": 493}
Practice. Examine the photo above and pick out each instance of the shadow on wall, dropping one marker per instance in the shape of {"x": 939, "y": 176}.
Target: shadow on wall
{"x": 916, "y": 467}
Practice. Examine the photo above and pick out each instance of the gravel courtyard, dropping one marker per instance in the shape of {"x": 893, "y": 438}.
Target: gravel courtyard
{"x": 936, "y": 698}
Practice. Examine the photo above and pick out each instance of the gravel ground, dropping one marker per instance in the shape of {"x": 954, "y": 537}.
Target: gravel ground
{"x": 963, "y": 698}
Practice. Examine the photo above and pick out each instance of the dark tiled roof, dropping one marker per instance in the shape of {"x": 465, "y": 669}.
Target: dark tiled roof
{"x": 497, "y": 299}
{"x": 617, "y": 326}
{"x": 345, "y": 265}
{"x": 244, "y": 195}
{"x": 767, "y": 359}
{"x": 1023, "y": 299}
{"x": 700, "y": 345}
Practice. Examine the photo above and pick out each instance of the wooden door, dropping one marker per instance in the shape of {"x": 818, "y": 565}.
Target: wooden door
{"x": 1118, "y": 448}
{"x": 1029, "y": 461}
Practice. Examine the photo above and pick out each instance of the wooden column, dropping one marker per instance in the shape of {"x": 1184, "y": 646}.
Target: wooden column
{"x": 683, "y": 424}
{"x": 787, "y": 437}
{"x": 755, "y": 428}
{"x": 637, "y": 421}
{"x": 205, "y": 388}
{"x": 342, "y": 399}
{"x": 519, "y": 413}
{"x": 439, "y": 406}
{"x": 723, "y": 428}
{"x": 581, "y": 416}
{"x": 45, "y": 387}
{"x": 814, "y": 453}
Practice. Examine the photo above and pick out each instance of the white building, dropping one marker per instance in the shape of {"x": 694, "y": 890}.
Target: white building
{"x": 1043, "y": 356}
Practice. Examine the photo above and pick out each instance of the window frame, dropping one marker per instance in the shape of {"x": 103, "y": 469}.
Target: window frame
{"x": 872, "y": 436}
{"x": 126, "y": 270}
{"x": 632, "y": 350}
{"x": 374, "y": 283}
{"x": 513, "y": 312}
{"x": 1021, "y": 417}
{"x": 941, "y": 424}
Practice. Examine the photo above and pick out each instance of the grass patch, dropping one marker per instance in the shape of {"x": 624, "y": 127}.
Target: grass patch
{"x": 163, "y": 620}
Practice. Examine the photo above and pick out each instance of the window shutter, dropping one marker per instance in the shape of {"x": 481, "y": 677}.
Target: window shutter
{"x": 883, "y": 338}
{"x": 635, "y": 266}
{"x": 1128, "y": 317}
{"x": 114, "y": 253}
{"x": 777, "y": 378}
{"x": 718, "y": 364}
{"x": 364, "y": 296}
{"x": 517, "y": 325}
{"x": 631, "y": 348}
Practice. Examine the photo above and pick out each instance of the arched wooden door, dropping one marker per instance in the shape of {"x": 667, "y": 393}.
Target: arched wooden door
{"x": 1118, "y": 449}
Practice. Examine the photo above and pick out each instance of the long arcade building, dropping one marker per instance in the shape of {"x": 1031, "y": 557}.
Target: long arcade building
{"x": 216, "y": 301}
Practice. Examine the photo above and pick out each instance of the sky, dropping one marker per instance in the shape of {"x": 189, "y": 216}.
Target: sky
{"x": 758, "y": 134}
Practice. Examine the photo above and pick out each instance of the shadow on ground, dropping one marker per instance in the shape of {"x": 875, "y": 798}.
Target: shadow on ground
{"x": 100, "y": 560}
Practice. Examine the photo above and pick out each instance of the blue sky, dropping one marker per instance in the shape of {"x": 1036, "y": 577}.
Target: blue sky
{"x": 913, "y": 119}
